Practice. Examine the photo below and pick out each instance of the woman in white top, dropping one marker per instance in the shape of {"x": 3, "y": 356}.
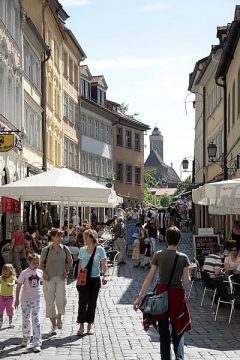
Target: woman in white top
{"x": 231, "y": 261}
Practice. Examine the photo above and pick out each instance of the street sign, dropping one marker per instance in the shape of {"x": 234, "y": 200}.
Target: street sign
{"x": 6, "y": 142}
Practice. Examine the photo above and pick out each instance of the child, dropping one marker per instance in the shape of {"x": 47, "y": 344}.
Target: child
{"x": 136, "y": 250}
{"x": 147, "y": 253}
{"x": 30, "y": 302}
{"x": 7, "y": 281}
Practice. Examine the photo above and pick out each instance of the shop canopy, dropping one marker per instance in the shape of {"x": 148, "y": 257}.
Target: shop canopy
{"x": 222, "y": 197}
{"x": 64, "y": 186}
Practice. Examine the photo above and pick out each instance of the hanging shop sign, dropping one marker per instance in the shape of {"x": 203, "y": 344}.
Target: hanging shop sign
{"x": 10, "y": 205}
{"x": 7, "y": 142}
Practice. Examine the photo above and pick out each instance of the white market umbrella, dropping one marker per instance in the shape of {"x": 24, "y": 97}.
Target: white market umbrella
{"x": 222, "y": 197}
{"x": 59, "y": 184}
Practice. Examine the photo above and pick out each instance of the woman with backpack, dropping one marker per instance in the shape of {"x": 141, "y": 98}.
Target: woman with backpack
{"x": 56, "y": 262}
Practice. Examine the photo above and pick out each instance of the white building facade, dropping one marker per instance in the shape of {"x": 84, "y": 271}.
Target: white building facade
{"x": 12, "y": 163}
{"x": 96, "y": 128}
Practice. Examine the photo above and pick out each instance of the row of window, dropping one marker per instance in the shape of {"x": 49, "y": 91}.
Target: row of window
{"x": 95, "y": 128}
{"x": 93, "y": 93}
{"x": 213, "y": 99}
{"x": 128, "y": 173}
{"x": 128, "y": 139}
{"x": 70, "y": 69}
{"x": 32, "y": 65}
{"x": 70, "y": 109}
{"x": 53, "y": 98}
{"x": 92, "y": 164}
{"x": 33, "y": 127}
{"x": 70, "y": 154}
{"x": 53, "y": 149}
{"x": 10, "y": 16}
{"x": 85, "y": 89}
{"x": 10, "y": 97}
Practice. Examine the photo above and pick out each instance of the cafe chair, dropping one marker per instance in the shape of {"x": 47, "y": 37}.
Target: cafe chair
{"x": 228, "y": 292}
{"x": 112, "y": 256}
{"x": 195, "y": 277}
{"x": 209, "y": 286}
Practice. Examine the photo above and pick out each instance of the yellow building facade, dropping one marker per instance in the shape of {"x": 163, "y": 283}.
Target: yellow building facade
{"x": 46, "y": 18}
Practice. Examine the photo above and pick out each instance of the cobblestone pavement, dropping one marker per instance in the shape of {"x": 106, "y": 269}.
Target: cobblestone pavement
{"x": 118, "y": 330}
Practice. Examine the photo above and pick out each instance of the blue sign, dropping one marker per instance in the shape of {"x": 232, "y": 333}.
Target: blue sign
{"x": 130, "y": 227}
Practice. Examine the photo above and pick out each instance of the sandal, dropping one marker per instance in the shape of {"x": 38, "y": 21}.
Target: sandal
{"x": 90, "y": 329}
{"x": 80, "y": 331}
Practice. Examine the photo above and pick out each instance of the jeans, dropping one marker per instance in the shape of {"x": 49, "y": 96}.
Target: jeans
{"x": 165, "y": 341}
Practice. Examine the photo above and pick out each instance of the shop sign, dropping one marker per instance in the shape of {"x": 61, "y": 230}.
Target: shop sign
{"x": 10, "y": 205}
{"x": 6, "y": 142}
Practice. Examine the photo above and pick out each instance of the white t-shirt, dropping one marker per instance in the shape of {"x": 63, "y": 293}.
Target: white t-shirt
{"x": 75, "y": 220}
{"x": 30, "y": 279}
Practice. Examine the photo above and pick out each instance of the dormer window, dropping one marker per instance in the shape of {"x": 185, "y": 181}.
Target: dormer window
{"x": 85, "y": 89}
{"x": 101, "y": 97}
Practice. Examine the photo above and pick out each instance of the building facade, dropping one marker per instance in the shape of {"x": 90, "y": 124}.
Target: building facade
{"x": 33, "y": 50}
{"x": 128, "y": 157}
{"x": 48, "y": 17}
{"x": 72, "y": 55}
{"x": 12, "y": 163}
{"x": 218, "y": 81}
{"x": 96, "y": 128}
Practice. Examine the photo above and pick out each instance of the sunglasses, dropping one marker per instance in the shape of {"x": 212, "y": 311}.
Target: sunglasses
{"x": 234, "y": 250}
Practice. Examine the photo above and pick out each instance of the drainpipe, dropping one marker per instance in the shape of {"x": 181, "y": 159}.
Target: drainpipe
{"x": 204, "y": 132}
{"x": 47, "y": 54}
{"x": 224, "y": 86}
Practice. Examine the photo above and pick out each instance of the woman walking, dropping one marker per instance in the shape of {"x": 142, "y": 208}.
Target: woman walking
{"x": 165, "y": 262}
{"x": 88, "y": 292}
{"x": 56, "y": 262}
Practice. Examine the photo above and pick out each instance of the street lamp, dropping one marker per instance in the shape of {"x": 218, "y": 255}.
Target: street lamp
{"x": 212, "y": 153}
{"x": 185, "y": 164}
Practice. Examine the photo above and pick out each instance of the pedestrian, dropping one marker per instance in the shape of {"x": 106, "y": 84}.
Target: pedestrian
{"x": 151, "y": 233}
{"x": 7, "y": 281}
{"x": 136, "y": 250}
{"x": 92, "y": 257}
{"x": 18, "y": 245}
{"x": 119, "y": 243}
{"x": 178, "y": 314}
{"x": 147, "y": 254}
{"x": 141, "y": 236}
{"x": 56, "y": 262}
{"x": 30, "y": 302}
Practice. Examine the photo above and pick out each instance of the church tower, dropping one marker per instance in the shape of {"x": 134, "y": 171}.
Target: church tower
{"x": 156, "y": 141}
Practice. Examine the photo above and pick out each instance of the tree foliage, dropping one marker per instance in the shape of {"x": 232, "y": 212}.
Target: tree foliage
{"x": 150, "y": 182}
{"x": 182, "y": 185}
{"x": 165, "y": 200}
{"x": 123, "y": 107}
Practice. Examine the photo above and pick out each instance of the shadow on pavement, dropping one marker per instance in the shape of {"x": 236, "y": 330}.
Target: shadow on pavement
{"x": 60, "y": 342}
{"x": 10, "y": 346}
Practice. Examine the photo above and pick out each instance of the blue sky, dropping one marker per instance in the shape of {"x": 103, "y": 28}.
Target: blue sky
{"x": 146, "y": 49}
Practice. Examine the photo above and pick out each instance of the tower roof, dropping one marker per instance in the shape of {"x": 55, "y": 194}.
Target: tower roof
{"x": 156, "y": 131}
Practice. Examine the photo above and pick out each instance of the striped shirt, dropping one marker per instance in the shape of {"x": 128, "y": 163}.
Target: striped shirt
{"x": 211, "y": 263}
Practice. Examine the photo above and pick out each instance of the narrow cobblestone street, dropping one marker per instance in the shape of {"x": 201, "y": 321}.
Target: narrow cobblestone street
{"x": 118, "y": 330}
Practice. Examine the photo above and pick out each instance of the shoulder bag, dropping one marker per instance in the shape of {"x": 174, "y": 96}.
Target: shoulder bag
{"x": 85, "y": 273}
{"x": 153, "y": 304}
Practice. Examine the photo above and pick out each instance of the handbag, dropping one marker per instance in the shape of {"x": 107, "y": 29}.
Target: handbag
{"x": 153, "y": 304}
{"x": 85, "y": 273}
